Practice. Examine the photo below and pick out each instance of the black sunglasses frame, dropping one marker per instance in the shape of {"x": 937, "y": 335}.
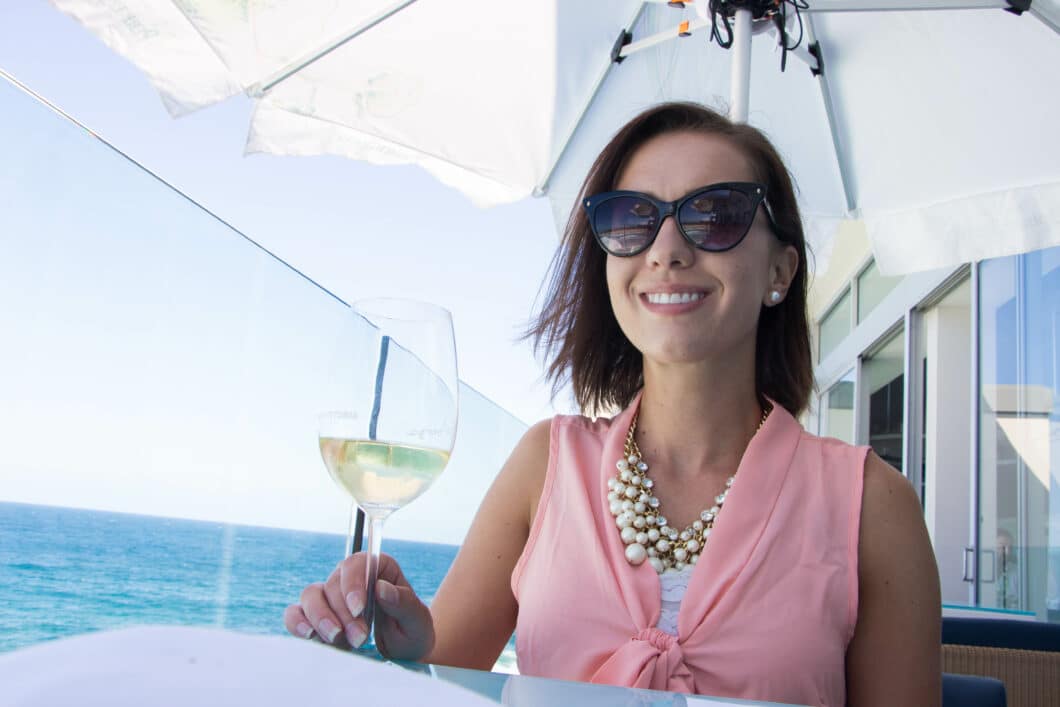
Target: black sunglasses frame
{"x": 755, "y": 191}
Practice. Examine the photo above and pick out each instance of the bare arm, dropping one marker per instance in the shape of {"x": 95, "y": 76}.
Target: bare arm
{"x": 474, "y": 611}
{"x": 895, "y": 655}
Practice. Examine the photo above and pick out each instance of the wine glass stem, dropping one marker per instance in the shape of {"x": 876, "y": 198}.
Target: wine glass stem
{"x": 375, "y": 546}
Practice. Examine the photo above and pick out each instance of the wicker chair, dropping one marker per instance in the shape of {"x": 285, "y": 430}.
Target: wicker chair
{"x": 1023, "y": 655}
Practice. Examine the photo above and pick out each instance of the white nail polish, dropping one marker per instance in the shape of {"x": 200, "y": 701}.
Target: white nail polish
{"x": 329, "y": 630}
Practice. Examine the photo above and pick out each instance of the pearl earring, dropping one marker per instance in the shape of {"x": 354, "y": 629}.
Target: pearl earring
{"x": 774, "y": 296}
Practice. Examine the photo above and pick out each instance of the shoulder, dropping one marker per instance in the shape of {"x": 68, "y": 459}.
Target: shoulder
{"x": 894, "y": 657}
{"x": 890, "y": 508}
{"x": 895, "y": 557}
{"x": 527, "y": 468}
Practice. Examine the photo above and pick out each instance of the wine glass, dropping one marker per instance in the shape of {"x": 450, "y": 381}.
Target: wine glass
{"x": 395, "y": 435}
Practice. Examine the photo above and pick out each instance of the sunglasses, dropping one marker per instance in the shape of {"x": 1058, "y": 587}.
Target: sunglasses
{"x": 714, "y": 218}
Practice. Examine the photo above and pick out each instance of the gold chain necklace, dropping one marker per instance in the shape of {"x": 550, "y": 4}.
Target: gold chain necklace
{"x": 647, "y": 533}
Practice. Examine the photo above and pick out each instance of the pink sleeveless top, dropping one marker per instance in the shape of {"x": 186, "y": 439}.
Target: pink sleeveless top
{"x": 772, "y": 602}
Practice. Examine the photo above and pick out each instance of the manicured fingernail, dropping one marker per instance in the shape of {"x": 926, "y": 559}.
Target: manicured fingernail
{"x": 355, "y": 635}
{"x": 355, "y": 603}
{"x": 304, "y": 630}
{"x": 328, "y": 630}
{"x": 386, "y": 591}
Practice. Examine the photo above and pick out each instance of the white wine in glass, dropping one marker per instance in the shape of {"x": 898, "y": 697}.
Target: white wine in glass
{"x": 394, "y": 438}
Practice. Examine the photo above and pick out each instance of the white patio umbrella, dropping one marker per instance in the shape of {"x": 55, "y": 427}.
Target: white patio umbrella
{"x": 934, "y": 121}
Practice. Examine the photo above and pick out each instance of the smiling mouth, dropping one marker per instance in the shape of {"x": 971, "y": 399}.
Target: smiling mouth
{"x": 674, "y": 297}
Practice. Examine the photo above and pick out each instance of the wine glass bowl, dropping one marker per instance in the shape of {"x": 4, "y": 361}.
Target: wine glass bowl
{"x": 396, "y": 430}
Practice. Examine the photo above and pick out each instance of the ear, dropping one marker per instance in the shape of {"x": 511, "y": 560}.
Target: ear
{"x": 783, "y": 264}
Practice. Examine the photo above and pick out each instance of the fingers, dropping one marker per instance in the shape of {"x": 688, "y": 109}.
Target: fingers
{"x": 404, "y": 627}
{"x": 348, "y": 613}
{"x": 332, "y": 611}
{"x": 296, "y": 623}
{"x": 320, "y": 615}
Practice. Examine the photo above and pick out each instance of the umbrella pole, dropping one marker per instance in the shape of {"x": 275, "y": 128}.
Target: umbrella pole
{"x": 740, "y": 81}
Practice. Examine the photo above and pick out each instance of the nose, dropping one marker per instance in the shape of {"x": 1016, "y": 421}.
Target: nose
{"x": 670, "y": 249}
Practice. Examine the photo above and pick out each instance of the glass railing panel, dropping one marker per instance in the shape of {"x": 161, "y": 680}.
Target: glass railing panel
{"x": 160, "y": 380}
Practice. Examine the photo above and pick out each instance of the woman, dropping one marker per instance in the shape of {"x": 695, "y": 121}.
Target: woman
{"x": 793, "y": 569}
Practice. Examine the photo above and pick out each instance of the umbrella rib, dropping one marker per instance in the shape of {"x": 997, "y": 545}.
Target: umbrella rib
{"x": 542, "y": 188}
{"x": 845, "y": 175}
{"x": 1047, "y": 17}
{"x": 262, "y": 87}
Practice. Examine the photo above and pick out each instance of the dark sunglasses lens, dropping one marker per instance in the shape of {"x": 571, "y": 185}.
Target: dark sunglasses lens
{"x": 717, "y": 219}
{"x": 625, "y": 224}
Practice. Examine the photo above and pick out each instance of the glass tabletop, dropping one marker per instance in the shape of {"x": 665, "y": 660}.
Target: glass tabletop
{"x": 526, "y": 691}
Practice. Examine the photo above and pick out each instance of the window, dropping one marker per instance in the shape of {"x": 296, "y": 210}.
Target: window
{"x": 835, "y": 325}
{"x": 872, "y": 288}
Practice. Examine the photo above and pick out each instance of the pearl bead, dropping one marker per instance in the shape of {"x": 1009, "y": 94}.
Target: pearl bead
{"x": 672, "y": 534}
{"x": 663, "y": 546}
{"x": 641, "y": 466}
{"x": 636, "y": 553}
{"x": 612, "y": 496}
{"x": 611, "y": 484}
{"x": 694, "y": 560}
{"x": 707, "y": 516}
{"x": 714, "y": 510}
{"x": 635, "y": 480}
{"x": 653, "y": 535}
{"x": 657, "y": 564}
{"x": 728, "y": 482}
{"x": 680, "y": 554}
{"x": 623, "y": 521}
{"x": 627, "y": 505}
{"x": 622, "y": 465}
{"x": 698, "y": 525}
{"x": 662, "y": 521}
{"x": 692, "y": 545}
{"x": 625, "y": 475}
{"x": 652, "y": 551}
{"x": 719, "y": 499}
{"x": 679, "y": 566}
{"x": 641, "y": 538}
{"x": 643, "y": 498}
{"x": 639, "y": 507}
{"x": 650, "y": 520}
{"x": 685, "y": 536}
{"x": 639, "y": 522}
{"x": 631, "y": 492}
{"x": 616, "y": 507}
{"x": 633, "y": 459}
{"x": 620, "y": 487}
{"x": 628, "y": 535}
{"x": 653, "y": 502}
{"x": 706, "y": 533}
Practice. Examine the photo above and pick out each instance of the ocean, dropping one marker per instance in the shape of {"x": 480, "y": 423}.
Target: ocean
{"x": 68, "y": 571}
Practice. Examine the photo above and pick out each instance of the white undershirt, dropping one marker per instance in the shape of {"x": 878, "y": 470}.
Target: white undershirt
{"x": 673, "y": 584}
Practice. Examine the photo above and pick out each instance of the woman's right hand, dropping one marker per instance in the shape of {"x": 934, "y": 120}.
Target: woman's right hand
{"x": 332, "y": 611}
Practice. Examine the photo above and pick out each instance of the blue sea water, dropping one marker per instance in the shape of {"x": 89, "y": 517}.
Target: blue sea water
{"x": 69, "y": 571}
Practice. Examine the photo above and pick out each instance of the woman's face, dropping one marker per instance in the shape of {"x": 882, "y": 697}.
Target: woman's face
{"x": 727, "y": 289}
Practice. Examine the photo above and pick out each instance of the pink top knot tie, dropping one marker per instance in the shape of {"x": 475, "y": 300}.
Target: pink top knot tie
{"x": 652, "y": 659}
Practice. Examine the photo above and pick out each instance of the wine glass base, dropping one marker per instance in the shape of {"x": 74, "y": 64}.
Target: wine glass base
{"x": 369, "y": 650}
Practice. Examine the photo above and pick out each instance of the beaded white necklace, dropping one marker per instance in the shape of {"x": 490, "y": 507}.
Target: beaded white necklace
{"x": 646, "y": 533}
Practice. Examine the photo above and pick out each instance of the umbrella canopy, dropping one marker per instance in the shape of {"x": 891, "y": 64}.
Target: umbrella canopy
{"x": 934, "y": 121}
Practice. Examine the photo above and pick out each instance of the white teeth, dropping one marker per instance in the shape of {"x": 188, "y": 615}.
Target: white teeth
{"x": 674, "y": 297}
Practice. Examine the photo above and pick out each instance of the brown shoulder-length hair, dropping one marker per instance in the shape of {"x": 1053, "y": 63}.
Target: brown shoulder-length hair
{"x": 576, "y": 327}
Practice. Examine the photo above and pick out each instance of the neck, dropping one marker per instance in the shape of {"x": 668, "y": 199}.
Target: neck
{"x": 698, "y": 420}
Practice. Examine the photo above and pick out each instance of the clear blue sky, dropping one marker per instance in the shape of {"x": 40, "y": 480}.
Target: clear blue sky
{"x": 157, "y": 363}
